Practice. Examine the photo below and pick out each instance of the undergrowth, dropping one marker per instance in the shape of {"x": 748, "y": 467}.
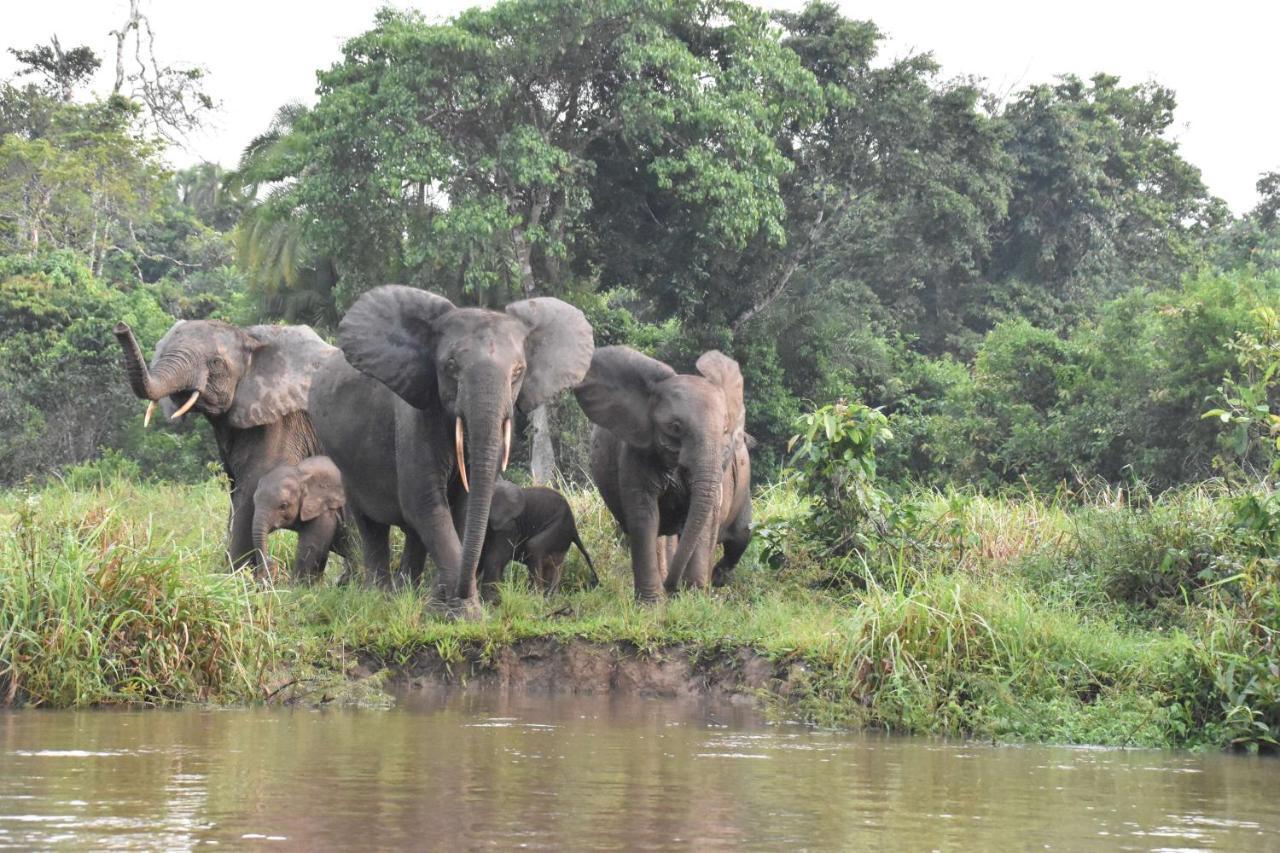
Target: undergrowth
{"x": 1089, "y": 618}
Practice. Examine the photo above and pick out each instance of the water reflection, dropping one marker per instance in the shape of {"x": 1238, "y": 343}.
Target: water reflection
{"x": 474, "y": 770}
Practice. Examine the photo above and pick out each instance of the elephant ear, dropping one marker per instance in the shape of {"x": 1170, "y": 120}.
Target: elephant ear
{"x": 617, "y": 389}
{"x": 507, "y": 505}
{"x": 282, "y": 362}
{"x": 389, "y": 334}
{"x": 557, "y": 350}
{"x": 322, "y": 489}
{"x": 724, "y": 372}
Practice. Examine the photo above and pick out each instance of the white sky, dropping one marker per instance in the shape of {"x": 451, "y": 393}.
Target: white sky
{"x": 1218, "y": 57}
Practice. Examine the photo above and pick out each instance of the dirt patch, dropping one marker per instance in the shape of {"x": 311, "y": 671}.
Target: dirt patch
{"x": 576, "y": 666}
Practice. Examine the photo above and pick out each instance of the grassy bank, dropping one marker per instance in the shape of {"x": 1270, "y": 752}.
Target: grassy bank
{"x": 1102, "y": 619}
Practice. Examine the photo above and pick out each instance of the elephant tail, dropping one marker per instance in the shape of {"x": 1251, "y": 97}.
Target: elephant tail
{"x": 577, "y": 540}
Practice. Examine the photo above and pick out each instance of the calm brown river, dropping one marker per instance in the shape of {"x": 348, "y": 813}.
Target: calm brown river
{"x": 467, "y": 771}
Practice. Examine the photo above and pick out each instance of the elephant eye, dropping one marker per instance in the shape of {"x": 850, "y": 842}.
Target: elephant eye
{"x": 451, "y": 365}
{"x": 517, "y": 373}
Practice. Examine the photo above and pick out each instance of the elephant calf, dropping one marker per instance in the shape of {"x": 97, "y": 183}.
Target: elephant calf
{"x": 307, "y": 498}
{"x": 533, "y": 526}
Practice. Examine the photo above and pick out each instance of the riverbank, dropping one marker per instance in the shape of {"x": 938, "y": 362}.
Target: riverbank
{"x": 1010, "y": 620}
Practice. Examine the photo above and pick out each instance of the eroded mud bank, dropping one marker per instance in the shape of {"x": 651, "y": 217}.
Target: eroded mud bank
{"x": 578, "y": 666}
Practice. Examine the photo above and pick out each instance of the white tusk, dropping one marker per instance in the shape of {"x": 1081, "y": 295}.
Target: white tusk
{"x": 462, "y": 459}
{"x": 506, "y": 443}
{"x": 186, "y": 407}
{"x": 151, "y": 410}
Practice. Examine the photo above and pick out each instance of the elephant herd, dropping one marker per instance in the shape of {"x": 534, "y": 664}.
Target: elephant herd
{"x": 407, "y": 422}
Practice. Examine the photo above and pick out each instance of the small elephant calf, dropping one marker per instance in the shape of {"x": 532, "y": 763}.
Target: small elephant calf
{"x": 307, "y": 498}
{"x": 533, "y": 526}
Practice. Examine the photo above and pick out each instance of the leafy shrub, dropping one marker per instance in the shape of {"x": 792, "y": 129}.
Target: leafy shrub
{"x": 835, "y": 460}
{"x": 111, "y": 466}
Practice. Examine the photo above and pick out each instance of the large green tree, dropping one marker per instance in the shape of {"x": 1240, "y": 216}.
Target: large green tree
{"x": 1103, "y": 199}
{"x": 464, "y": 155}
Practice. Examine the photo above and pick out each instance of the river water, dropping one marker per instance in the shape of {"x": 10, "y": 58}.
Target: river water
{"x": 457, "y": 771}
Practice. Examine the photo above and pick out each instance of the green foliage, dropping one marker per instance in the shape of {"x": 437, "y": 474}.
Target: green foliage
{"x": 79, "y": 177}
{"x": 62, "y": 397}
{"x": 1254, "y": 429}
{"x": 1121, "y": 399}
{"x": 853, "y": 530}
{"x": 1103, "y": 198}
{"x": 835, "y": 461}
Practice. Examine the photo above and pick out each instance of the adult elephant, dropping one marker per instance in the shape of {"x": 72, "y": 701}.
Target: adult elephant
{"x": 423, "y": 402}
{"x": 669, "y": 455}
{"x": 251, "y": 384}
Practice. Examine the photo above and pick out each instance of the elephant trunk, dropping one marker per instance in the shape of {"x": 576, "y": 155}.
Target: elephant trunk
{"x": 261, "y": 530}
{"x": 172, "y": 373}
{"x": 483, "y": 432}
{"x": 703, "y": 505}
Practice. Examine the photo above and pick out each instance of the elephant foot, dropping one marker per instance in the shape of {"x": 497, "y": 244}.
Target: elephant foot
{"x": 721, "y": 577}
{"x": 457, "y": 609}
{"x": 648, "y": 598}
{"x": 471, "y": 610}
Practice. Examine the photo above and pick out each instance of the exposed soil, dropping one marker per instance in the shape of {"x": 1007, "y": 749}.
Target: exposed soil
{"x": 576, "y": 666}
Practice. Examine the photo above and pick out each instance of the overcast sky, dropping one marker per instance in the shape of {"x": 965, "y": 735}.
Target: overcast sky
{"x": 1219, "y": 58}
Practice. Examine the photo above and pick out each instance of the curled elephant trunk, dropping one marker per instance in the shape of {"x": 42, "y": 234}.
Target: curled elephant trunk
{"x": 172, "y": 373}
{"x": 703, "y": 506}
{"x": 482, "y": 435}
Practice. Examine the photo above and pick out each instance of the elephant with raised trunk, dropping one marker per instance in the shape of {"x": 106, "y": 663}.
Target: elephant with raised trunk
{"x": 669, "y": 455}
{"x": 418, "y": 408}
{"x": 251, "y": 385}
{"x": 534, "y": 526}
{"x": 307, "y": 498}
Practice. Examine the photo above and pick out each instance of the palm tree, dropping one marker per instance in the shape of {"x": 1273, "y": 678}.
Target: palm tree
{"x": 292, "y": 281}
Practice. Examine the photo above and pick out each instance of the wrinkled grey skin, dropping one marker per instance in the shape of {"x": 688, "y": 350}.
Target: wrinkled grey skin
{"x": 533, "y": 526}
{"x": 253, "y": 386}
{"x": 308, "y": 499}
{"x": 669, "y": 455}
{"x": 411, "y": 365}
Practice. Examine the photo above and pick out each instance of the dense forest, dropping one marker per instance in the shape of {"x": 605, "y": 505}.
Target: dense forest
{"x": 1035, "y": 289}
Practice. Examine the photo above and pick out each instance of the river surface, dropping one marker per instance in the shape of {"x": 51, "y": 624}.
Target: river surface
{"x": 460, "y": 771}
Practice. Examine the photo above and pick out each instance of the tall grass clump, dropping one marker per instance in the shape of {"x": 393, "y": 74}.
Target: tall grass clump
{"x": 97, "y": 606}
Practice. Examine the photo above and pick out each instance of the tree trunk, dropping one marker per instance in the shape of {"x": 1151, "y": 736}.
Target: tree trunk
{"x": 542, "y": 456}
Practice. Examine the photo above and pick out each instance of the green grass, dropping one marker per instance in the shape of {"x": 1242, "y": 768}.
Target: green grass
{"x": 108, "y": 596}
{"x": 1005, "y": 618}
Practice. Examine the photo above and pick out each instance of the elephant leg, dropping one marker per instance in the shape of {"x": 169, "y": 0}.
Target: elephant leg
{"x": 736, "y": 540}
{"x": 434, "y": 526}
{"x": 344, "y": 545}
{"x": 312, "y": 555}
{"x": 545, "y": 552}
{"x": 240, "y": 550}
{"x": 493, "y": 565}
{"x": 413, "y": 558}
{"x": 642, "y": 531}
{"x": 551, "y": 571}
{"x": 376, "y": 545}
